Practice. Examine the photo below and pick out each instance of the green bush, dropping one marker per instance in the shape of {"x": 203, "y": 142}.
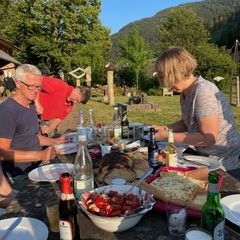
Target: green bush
{"x": 154, "y": 92}
{"x": 118, "y": 91}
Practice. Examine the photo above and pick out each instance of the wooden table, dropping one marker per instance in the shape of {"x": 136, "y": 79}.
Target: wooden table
{"x": 153, "y": 225}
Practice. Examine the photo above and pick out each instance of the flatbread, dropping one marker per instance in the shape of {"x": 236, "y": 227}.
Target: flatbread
{"x": 178, "y": 189}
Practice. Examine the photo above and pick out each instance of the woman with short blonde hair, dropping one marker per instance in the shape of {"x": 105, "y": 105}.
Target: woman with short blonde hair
{"x": 175, "y": 65}
{"x": 207, "y": 121}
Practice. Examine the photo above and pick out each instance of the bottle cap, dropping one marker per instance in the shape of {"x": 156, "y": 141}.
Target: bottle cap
{"x": 82, "y": 138}
{"x": 65, "y": 180}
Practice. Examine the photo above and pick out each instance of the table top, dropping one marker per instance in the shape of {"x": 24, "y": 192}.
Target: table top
{"x": 152, "y": 226}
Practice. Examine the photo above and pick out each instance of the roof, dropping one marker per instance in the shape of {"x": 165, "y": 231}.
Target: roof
{"x": 7, "y": 44}
{"x": 5, "y": 59}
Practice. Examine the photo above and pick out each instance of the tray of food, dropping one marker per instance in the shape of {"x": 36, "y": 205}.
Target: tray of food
{"x": 129, "y": 167}
{"x": 179, "y": 187}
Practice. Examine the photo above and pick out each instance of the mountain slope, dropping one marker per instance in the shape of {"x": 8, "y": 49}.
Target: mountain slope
{"x": 221, "y": 18}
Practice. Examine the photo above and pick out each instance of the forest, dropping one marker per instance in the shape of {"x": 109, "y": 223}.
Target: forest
{"x": 63, "y": 35}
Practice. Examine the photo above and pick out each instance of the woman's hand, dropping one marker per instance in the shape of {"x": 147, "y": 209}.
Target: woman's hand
{"x": 161, "y": 132}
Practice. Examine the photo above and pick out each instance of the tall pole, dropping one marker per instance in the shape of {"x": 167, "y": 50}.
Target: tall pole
{"x": 109, "y": 67}
{"x": 235, "y": 75}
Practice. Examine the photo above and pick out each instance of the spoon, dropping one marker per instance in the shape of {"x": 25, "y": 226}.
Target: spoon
{"x": 145, "y": 174}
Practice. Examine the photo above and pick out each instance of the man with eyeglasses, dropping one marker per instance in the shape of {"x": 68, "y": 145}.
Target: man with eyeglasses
{"x": 57, "y": 99}
{"x": 20, "y": 141}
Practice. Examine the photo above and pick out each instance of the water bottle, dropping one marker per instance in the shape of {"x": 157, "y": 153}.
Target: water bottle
{"x": 117, "y": 124}
{"x": 83, "y": 168}
{"x": 81, "y": 129}
{"x": 91, "y": 129}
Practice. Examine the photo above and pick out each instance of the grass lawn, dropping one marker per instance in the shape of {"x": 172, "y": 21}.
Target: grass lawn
{"x": 169, "y": 111}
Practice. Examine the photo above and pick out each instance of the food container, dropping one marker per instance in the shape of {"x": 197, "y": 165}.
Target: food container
{"x": 161, "y": 206}
{"x": 122, "y": 223}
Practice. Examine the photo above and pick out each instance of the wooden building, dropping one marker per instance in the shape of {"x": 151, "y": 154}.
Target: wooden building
{"x": 7, "y": 62}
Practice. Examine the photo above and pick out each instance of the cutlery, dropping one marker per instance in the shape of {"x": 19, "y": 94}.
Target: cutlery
{"x": 11, "y": 228}
{"x": 145, "y": 174}
{"x": 184, "y": 160}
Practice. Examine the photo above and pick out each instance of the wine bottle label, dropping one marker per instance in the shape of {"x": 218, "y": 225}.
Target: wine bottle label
{"x": 218, "y": 233}
{"x": 65, "y": 197}
{"x": 213, "y": 188}
{"x": 153, "y": 158}
{"x": 117, "y": 133}
{"x": 125, "y": 131}
{"x": 65, "y": 228}
{"x": 172, "y": 159}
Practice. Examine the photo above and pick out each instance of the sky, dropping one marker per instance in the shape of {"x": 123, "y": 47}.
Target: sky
{"x": 116, "y": 14}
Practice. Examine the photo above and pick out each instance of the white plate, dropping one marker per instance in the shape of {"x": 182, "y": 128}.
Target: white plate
{"x": 23, "y": 228}
{"x": 212, "y": 163}
{"x": 66, "y": 148}
{"x": 231, "y": 206}
{"x": 50, "y": 172}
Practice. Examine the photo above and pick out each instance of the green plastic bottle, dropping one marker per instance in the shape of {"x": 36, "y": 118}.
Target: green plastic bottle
{"x": 213, "y": 218}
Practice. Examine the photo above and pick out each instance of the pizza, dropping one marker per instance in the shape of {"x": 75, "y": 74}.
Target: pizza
{"x": 176, "y": 188}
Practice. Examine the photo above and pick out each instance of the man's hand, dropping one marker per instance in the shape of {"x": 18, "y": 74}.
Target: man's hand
{"x": 161, "y": 132}
{"x": 48, "y": 154}
{"x": 59, "y": 140}
{"x": 45, "y": 129}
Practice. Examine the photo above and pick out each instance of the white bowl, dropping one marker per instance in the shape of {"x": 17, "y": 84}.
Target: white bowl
{"x": 119, "y": 224}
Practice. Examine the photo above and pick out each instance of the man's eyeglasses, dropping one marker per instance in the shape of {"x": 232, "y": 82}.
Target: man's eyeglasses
{"x": 32, "y": 87}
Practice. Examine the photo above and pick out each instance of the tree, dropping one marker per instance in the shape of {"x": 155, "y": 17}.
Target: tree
{"x": 58, "y": 34}
{"x": 134, "y": 52}
{"x": 181, "y": 27}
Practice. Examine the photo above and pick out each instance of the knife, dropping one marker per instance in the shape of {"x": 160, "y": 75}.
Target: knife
{"x": 194, "y": 161}
{"x": 11, "y": 228}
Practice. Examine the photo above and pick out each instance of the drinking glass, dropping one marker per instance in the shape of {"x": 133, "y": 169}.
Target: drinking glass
{"x": 176, "y": 217}
{"x": 107, "y": 135}
{"x": 53, "y": 214}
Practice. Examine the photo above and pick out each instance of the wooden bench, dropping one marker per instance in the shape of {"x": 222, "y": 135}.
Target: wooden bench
{"x": 167, "y": 93}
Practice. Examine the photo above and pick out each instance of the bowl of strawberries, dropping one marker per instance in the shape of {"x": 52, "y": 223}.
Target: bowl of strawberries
{"x": 114, "y": 209}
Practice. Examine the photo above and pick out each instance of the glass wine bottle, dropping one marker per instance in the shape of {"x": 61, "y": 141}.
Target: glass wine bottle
{"x": 68, "y": 223}
{"x": 212, "y": 213}
{"x": 125, "y": 125}
{"x": 117, "y": 124}
{"x": 153, "y": 154}
{"x": 171, "y": 150}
